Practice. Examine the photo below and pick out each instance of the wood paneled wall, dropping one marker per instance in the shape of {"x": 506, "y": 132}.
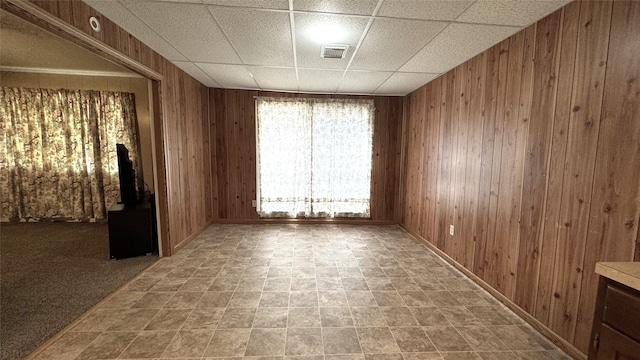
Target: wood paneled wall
{"x": 185, "y": 110}
{"x": 233, "y": 150}
{"x": 182, "y": 137}
{"x": 532, "y": 151}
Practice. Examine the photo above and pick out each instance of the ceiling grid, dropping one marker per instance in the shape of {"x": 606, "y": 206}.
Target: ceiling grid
{"x": 395, "y": 46}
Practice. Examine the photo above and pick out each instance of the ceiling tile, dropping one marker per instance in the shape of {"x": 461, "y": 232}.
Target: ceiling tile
{"x": 189, "y": 28}
{"x": 362, "y": 82}
{"x": 258, "y": 4}
{"x": 404, "y": 83}
{"x": 319, "y": 80}
{"x": 176, "y": 1}
{"x": 133, "y": 25}
{"x": 456, "y": 44}
{"x": 413, "y": 36}
{"x": 348, "y": 30}
{"x": 353, "y": 7}
{"x": 191, "y": 69}
{"x": 260, "y": 37}
{"x": 510, "y": 12}
{"x": 391, "y": 42}
{"x": 421, "y": 9}
{"x": 274, "y": 78}
{"x": 229, "y": 76}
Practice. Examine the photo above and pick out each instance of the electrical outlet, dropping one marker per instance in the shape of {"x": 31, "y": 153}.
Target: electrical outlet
{"x": 451, "y": 230}
{"x": 254, "y": 203}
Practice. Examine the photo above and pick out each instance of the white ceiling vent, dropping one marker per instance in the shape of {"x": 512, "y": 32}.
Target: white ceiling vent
{"x": 333, "y": 51}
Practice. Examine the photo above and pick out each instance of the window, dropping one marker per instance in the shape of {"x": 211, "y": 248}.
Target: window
{"x": 58, "y": 151}
{"x": 314, "y": 157}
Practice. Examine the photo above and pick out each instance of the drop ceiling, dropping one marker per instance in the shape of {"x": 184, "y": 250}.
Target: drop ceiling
{"x": 395, "y": 46}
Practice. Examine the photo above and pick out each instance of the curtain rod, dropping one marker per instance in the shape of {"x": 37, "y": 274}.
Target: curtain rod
{"x": 351, "y": 97}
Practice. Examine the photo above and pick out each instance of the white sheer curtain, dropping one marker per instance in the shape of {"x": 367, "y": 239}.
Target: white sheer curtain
{"x": 314, "y": 157}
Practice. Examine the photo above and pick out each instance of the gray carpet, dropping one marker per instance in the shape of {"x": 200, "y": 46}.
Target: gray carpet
{"x": 50, "y": 274}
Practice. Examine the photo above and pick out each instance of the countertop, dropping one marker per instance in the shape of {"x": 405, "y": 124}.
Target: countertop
{"x": 626, "y": 273}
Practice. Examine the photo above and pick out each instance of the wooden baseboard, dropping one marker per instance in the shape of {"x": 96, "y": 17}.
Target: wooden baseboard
{"x": 191, "y": 237}
{"x": 563, "y": 344}
{"x": 304, "y": 221}
{"x": 75, "y": 322}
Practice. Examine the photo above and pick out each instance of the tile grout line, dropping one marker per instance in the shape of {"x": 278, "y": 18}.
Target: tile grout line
{"x": 366, "y": 250}
{"x": 218, "y": 323}
{"x": 40, "y": 349}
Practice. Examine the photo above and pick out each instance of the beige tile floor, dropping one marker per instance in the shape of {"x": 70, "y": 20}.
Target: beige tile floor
{"x": 302, "y": 292}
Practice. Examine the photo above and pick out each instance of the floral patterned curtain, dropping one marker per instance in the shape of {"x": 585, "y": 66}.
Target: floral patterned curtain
{"x": 314, "y": 157}
{"x": 58, "y": 151}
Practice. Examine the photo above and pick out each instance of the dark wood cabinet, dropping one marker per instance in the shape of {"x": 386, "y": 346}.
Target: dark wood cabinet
{"x": 132, "y": 231}
{"x": 616, "y": 325}
{"x": 615, "y": 345}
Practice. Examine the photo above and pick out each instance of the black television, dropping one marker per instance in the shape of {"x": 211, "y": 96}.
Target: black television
{"x": 128, "y": 194}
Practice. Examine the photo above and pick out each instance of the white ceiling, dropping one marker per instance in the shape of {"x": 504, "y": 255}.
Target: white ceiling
{"x": 395, "y": 46}
{"x": 25, "y": 47}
